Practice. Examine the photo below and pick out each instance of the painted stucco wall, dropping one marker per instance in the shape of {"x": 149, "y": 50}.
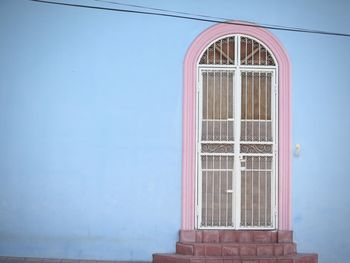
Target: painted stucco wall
{"x": 90, "y": 126}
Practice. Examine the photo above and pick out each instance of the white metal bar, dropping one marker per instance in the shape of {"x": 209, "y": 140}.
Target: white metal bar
{"x": 212, "y": 193}
{"x": 220, "y": 103}
{"x": 218, "y": 154}
{"x": 256, "y": 142}
{"x": 246, "y": 106}
{"x": 207, "y": 100}
{"x": 259, "y": 193}
{"x": 213, "y": 105}
{"x": 266, "y": 192}
{"x": 252, "y": 88}
{"x": 227, "y": 106}
{"x": 226, "y": 207}
{"x": 215, "y": 120}
{"x": 245, "y": 198}
{"x": 222, "y": 142}
{"x": 266, "y": 137}
{"x": 252, "y": 52}
{"x": 252, "y": 188}
{"x": 220, "y": 194}
{"x": 214, "y": 49}
{"x": 221, "y": 52}
{"x": 207, "y": 55}
{"x": 206, "y": 192}
{"x": 246, "y": 50}
{"x": 199, "y": 173}
{"x": 233, "y": 67}
{"x": 219, "y": 169}
{"x": 232, "y": 154}
{"x": 228, "y": 50}
{"x": 274, "y": 113}
{"x": 259, "y": 134}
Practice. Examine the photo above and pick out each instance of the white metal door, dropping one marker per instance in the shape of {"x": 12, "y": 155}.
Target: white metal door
{"x": 236, "y": 148}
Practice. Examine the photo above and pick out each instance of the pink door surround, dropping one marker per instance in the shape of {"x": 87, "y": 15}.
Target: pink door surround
{"x": 189, "y": 119}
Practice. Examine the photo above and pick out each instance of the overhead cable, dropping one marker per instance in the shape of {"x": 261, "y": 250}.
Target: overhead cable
{"x": 199, "y": 18}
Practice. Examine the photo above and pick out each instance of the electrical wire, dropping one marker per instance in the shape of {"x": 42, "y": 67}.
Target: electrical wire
{"x": 186, "y": 13}
{"x": 198, "y": 18}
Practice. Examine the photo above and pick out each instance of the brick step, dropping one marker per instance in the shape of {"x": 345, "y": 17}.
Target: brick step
{"x": 176, "y": 258}
{"x": 235, "y": 236}
{"x": 236, "y": 249}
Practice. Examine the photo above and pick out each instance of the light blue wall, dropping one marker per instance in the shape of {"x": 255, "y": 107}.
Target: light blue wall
{"x": 90, "y": 126}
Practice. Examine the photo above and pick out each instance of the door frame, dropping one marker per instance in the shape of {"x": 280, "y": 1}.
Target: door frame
{"x": 189, "y": 118}
{"x": 236, "y": 182}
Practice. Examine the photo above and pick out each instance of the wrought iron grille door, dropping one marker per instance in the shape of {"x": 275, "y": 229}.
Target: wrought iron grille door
{"x": 236, "y": 142}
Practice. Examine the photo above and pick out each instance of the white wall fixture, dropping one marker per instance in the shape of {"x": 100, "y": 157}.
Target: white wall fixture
{"x": 297, "y": 149}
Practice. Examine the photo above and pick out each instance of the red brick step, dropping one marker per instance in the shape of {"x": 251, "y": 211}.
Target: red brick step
{"x": 176, "y": 258}
{"x": 236, "y": 249}
{"x": 235, "y": 236}
{"x": 235, "y": 246}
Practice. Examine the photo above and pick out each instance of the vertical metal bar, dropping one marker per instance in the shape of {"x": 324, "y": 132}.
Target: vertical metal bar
{"x": 214, "y": 54}
{"x": 199, "y": 192}
{"x": 252, "y": 106}
{"x": 259, "y": 192}
{"x": 259, "y": 55}
{"x": 266, "y": 190}
{"x": 207, "y": 51}
{"x": 213, "y": 121}
{"x": 220, "y": 194}
{"x": 266, "y": 138}
{"x": 245, "y": 193}
{"x": 220, "y": 103}
{"x": 236, "y": 110}
{"x": 206, "y": 190}
{"x": 259, "y": 134}
{"x": 220, "y": 51}
{"x": 213, "y": 192}
{"x": 246, "y": 107}
{"x": 252, "y": 191}
{"x": 274, "y": 119}
{"x": 253, "y": 52}
{"x": 207, "y": 75}
{"x": 246, "y": 50}
{"x": 228, "y": 50}
{"x": 227, "y": 189}
{"x": 234, "y": 54}
{"x": 227, "y": 106}
{"x": 227, "y": 129}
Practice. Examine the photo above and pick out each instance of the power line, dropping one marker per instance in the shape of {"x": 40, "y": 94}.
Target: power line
{"x": 188, "y": 14}
{"x": 199, "y": 18}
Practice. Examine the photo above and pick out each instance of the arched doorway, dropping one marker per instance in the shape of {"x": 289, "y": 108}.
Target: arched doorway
{"x": 236, "y": 131}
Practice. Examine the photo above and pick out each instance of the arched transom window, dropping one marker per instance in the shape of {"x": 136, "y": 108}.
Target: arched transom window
{"x": 237, "y": 135}
{"x": 222, "y": 52}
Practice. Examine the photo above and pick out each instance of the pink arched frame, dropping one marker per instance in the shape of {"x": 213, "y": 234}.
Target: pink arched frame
{"x": 189, "y": 119}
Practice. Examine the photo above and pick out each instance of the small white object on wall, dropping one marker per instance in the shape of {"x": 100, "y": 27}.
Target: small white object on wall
{"x": 297, "y": 149}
